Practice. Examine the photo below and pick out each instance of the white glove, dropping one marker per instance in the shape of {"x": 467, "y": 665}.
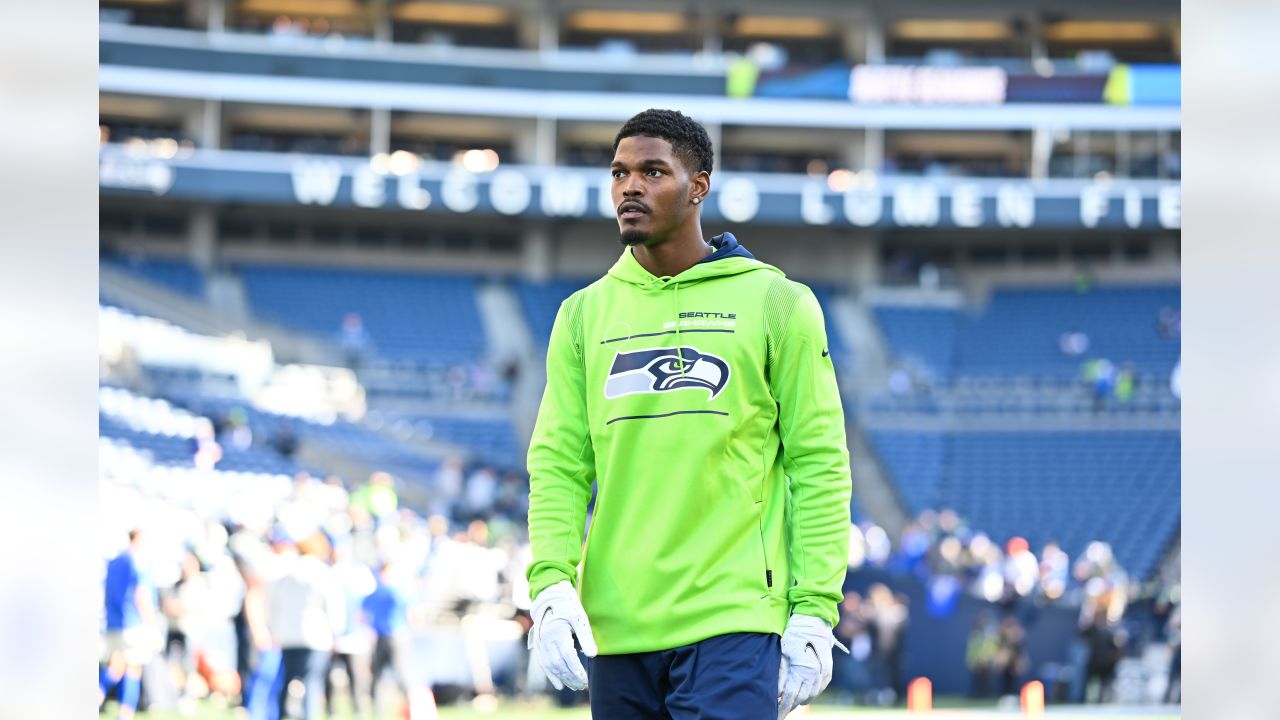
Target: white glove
{"x": 806, "y": 662}
{"x": 557, "y": 617}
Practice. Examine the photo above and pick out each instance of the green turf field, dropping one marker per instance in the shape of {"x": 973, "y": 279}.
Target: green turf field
{"x": 960, "y": 709}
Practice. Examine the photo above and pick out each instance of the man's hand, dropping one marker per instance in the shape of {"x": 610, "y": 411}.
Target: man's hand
{"x": 806, "y": 662}
{"x": 557, "y": 617}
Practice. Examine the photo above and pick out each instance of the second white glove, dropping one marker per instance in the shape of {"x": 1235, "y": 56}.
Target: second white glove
{"x": 806, "y": 662}
{"x": 557, "y": 617}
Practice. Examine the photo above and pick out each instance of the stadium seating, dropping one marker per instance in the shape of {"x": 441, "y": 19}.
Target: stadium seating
{"x": 1017, "y": 334}
{"x": 925, "y": 335}
{"x": 1073, "y": 487}
{"x": 542, "y": 300}
{"x": 492, "y": 440}
{"x": 176, "y": 275}
{"x": 431, "y": 319}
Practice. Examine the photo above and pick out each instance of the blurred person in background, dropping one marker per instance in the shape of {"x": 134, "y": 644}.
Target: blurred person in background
{"x": 980, "y": 655}
{"x": 132, "y": 626}
{"x": 353, "y": 649}
{"x": 1173, "y": 691}
{"x": 1010, "y": 659}
{"x": 447, "y": 486}
{"x": 386, "y": 611}
{"x": 670, "y": 521}
{"x": 1105, "y": 648}
{"x": 480, "y": 494}
{"x": 850, "y": 671}
{"x": 186, "y": 606}
{"x": 354, "y": 340}
{"x": 378, "y": 498}
{"x": 305, "y": 613}
{"x": 889, "y": 617}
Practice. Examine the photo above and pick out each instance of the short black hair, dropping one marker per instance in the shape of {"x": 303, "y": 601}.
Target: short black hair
{"x": 689, "y": 140}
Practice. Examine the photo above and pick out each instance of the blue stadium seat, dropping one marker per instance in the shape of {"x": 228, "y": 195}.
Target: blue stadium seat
{"x": 431, "y": 319}
{"x": 176, "y": 275}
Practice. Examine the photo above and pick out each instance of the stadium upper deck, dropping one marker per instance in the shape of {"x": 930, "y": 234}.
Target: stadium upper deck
{"x": 272, "y": 121}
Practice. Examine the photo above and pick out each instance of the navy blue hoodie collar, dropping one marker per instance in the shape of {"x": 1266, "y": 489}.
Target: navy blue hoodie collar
{"x": 726, "y": 245}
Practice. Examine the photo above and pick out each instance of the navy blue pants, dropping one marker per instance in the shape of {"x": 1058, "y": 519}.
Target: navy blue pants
{"x": 728, "y": 677}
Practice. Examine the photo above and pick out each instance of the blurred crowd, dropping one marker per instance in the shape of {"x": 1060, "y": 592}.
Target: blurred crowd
{"x": 1119, "y": 617}
{"x": 312, "y": 595}
{"x": 311, "y": 605}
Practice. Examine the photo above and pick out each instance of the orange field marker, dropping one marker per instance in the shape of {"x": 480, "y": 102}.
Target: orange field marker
{"x": 1033, "y": 700}
{"x": 920, "y": 695}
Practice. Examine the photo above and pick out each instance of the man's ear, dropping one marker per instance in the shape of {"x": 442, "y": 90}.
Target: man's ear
{"x": 700, "y": 187}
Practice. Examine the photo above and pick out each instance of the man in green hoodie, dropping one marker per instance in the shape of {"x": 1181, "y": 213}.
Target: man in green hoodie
{"x": 692, "y": 384}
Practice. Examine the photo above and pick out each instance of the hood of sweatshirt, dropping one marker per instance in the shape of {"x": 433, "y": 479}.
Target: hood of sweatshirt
{"x": 729, "y": 258}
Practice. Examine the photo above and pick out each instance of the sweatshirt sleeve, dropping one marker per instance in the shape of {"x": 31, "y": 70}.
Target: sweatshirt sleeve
{"x": 814, "y": 449}
{"x": 561, "y": 459}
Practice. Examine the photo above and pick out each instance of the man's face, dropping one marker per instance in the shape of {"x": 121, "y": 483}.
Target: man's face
{"x": 651, "y": 190}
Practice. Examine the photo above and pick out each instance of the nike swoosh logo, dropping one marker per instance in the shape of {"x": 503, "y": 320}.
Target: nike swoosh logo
{"x": 824, "y": 352}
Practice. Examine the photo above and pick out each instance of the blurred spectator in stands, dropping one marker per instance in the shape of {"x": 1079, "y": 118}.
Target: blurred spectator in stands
{"x": 455, "y": 379}
{"x": 850, "y": 671}
{"x": 980, "y": 654}
{"x": 132, "y": 627}
{"x": 1125, "y": 381}
{"x": 352, "y": 650}
{"x": 377, "y": 498}
{"x": 354, "y": 340}
{"x": 206, "y": 452}
{"x": 447, "y": 486}
{"x": 1169, "y": 323}
{"x": 1010, "y": 660}
{"x": 335, "y": 495}
{"x": 1073, "y": 343}
{"x": 186, "y": 606}
{"x": 1100, "y": 376}
{"x": 238, "y": 432}
{"x": 305, "y": 613}
{"x": 513, "y": 497}
{"x": 284, "y": 440}
{"x": 1054, "y": 570}
{"x": 480, "y": 493}
{"x": 899, "y": 382}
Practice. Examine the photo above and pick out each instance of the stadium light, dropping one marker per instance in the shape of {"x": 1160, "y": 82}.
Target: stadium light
{"x": 779, "y": 27}
{"x": 451, "y": 13}
{"x": 1102, "y": 30}
{"x": 621, "y": 21}
{"x": 951, "y": 30}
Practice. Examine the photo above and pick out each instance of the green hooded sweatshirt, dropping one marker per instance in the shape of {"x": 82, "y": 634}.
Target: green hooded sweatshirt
{"x": 705, "y": 408}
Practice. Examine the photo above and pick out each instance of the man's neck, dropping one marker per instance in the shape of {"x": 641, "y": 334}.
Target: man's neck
{"x": 674, "y": 256}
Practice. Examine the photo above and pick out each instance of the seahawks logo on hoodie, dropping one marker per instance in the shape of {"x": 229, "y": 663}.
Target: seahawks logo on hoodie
{"x": 658, "y": 370}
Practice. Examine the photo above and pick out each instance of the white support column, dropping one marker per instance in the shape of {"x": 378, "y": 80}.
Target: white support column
{"x": 382, "y": 30}
{"x": 865, "y": 271}
{"x": 873, "y": 43}
{"x": 873, "y": 149}
{"x": 202, "y": 237}
{"x": 379, "y": 130}
{"x": 544, "y": 141}
{"x": 537, "y": 256}
{"x": 1041, "y": 151}
{"x": 208, "y": 125}
{"x": 549, "y": 27}
{"x": 715, "y": 132}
